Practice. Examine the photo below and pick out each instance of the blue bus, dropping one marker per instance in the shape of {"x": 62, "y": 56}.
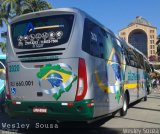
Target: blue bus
{"x": 2, "y": 80}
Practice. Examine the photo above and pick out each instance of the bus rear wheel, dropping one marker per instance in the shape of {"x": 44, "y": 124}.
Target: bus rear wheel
{"x": 123, "y": 110}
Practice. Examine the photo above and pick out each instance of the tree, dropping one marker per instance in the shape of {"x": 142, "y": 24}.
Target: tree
{"x": 3, "y": 16}
{"x": 18, "y": 7}
{"x": 36, "y": 5}
{"x": 3, "y": 47}
{"x": 3, "y": 20}
{"x": 12, "y": 8}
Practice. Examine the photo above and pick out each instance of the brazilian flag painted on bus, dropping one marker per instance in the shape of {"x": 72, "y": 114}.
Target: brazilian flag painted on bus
{"x": 59, "y": 76}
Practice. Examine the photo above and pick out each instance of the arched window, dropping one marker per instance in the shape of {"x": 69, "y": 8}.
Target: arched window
{"x": 138, "y": 39}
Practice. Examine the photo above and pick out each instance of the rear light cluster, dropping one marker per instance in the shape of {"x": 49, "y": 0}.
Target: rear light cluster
{"x": 16, "y": 103}
{"x": 67, "y": 104}
{"x": 8, "y": 95}
{"x": 82, "y": 80}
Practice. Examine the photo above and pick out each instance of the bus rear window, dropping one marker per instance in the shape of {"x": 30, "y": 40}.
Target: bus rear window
{"x": 42, "y": 32}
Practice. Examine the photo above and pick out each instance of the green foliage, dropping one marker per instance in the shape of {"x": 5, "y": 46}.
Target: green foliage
{"x": 36, "y": 5}
{"x": 18, "y": 7}
{"x": 12, "y": 8}
{"x": 3, "y": 47}
{"x": 3, "y": 16}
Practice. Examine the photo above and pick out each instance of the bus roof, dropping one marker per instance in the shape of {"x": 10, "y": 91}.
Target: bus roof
{"x": 24, "y": 16}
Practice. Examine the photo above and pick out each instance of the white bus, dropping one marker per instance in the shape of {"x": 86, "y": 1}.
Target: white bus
{"x": 64, "y": 65}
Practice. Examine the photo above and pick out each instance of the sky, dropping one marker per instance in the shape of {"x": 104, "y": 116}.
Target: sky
{"x": 115, "y": 14}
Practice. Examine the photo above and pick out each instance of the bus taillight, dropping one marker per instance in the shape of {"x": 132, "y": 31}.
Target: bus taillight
{"x": 82, "y": 80}
{"x": 8, "y": 96}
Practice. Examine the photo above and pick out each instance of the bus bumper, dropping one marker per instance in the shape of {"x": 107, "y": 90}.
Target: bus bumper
{"x": 62, "y": 111}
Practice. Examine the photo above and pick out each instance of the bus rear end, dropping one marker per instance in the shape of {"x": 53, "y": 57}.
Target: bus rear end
{"x": 45, "y": 77}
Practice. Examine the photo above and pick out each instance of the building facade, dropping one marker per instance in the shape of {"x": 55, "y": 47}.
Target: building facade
{"x": 142, "y": 35}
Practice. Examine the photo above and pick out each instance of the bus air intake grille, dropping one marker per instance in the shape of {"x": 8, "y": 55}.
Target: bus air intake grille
{"x": 40, "y": 51}
{"x": 40, "y": 55}
{"x": 43, "y": 59}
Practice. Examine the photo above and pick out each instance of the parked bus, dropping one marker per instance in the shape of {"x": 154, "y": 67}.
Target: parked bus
{"x": 64, "y": 65}
{"x": 2, "y": 81}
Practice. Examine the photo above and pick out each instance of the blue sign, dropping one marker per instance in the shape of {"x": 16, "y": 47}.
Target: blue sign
{"x": 13, "y": 90}
{"x": 29, "y": 26}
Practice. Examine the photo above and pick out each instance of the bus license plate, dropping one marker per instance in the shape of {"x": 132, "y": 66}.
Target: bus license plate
{"x": 39, "y": 110}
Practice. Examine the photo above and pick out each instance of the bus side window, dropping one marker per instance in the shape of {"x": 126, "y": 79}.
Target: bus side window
{"x": 132, "y": 58}
{"x": 93, "y": 39}
{"x": 126, "y": 57}
{"x": 108, "y": 45}
{"x": 148, "y": 67}
{"x": 96, "y": 42}
{"x": 118, "y": 50}
{"x": 137, "y": 59}
{"x": 141, "y": 61}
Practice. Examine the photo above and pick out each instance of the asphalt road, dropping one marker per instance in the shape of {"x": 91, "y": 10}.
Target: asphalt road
{"x": 140, "y": 115}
